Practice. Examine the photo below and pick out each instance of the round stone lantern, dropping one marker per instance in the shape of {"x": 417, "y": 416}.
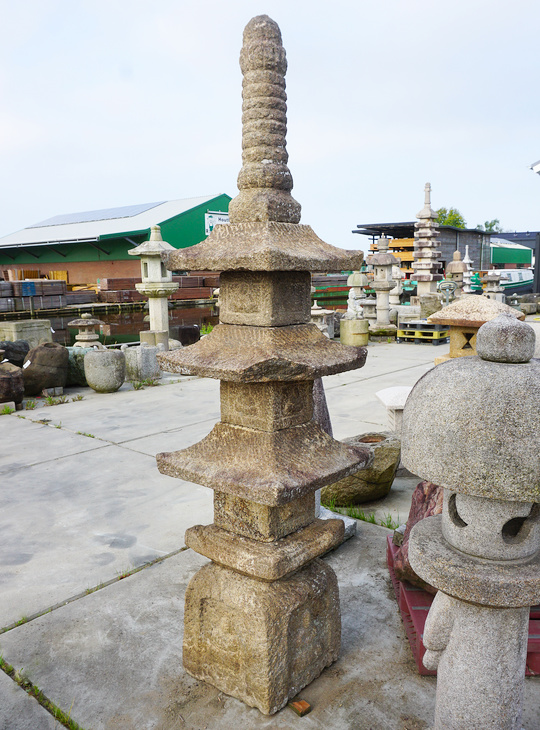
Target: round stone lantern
{"x": 471, "y": 426}
{"x": 157, "y": 285}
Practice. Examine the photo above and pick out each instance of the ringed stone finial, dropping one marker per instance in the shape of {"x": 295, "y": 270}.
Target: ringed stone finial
{"x": 264, "y": 182}
{"x": 427, "y": 211}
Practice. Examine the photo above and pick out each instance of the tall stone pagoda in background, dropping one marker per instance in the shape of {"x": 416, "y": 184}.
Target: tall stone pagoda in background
{"x": 426, "y": 262}
{"x": 262, "y": 619}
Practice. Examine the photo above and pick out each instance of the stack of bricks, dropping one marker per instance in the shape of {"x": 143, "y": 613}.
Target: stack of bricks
{"x": 262, "y": 620}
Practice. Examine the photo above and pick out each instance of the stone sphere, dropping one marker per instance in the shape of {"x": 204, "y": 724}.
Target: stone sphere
{"x": 105, "y": 370}
{"x": 506, "y": 339}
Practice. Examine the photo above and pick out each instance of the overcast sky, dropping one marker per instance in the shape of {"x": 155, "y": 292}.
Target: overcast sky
{"x": 106, "y": 103}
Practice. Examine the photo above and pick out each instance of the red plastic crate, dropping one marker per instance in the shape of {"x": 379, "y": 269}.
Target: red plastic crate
{"x": 414, "y": 605}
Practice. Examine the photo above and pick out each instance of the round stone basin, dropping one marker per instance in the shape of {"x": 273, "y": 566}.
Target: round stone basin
{"x": 373, "y": 482}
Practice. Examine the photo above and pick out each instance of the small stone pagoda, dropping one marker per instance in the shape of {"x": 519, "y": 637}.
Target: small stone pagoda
{"x": 262, "y": 619}
{"x": 426, "y": 262}
{"x": 481, "y": 444}
{"x": 464, "y": 317}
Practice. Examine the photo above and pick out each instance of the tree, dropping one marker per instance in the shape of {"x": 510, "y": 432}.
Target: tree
{"x": 450, "y": 217}
{"x": 493, "y": 226}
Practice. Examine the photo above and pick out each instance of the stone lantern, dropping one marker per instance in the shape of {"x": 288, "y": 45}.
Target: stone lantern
{"x": 382, "y": 263}
{"x": 471, "y": 426}
{"x": 262, "y": 619}
{"x": 87, "y": 335}
{"x": 494, "y": 290}
{"x": 157, "y": 285}
{"x": 455, "y": 272}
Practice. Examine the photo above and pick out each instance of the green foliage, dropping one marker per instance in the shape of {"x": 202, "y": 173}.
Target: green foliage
{"x": 450, "y": 217}
{"x": 77, "y": 397}
{"x": 30, "y": 405}
{"x": 206, "y": 329}
{"x": 140, "y": 384}
{"x": 6, "y": 411}
{"x": 493, "y": 226}
{"x": 21, "y": 678}
{"x": 51, "y": 401}
{"x": 358, "y": 514}
{"x": 83, "y": 433}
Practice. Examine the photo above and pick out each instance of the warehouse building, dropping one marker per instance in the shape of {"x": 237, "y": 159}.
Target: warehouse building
{"x": 85, "y": 247}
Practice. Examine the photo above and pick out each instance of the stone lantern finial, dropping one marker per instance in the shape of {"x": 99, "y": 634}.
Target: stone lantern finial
{"x": 265, "y": 182}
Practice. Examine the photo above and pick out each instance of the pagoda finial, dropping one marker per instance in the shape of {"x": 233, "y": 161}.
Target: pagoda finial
{"x": 427, "y": 211}
{"x": 264, "y": 181}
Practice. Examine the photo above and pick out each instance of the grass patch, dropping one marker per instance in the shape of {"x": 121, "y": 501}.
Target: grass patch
{"x": 30, "y": 405}
{"x": 83, "y": 433}
{"x": 20, "y": 677}
{"x": 7, "y": 411}
{"x": 140, "y": 384}
{"x": 358, "y": 514}
{"x": 77, "y": 398}
{"x": 52, "y": 401}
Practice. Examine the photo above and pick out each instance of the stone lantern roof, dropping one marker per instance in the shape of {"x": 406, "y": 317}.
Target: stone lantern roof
{"x": 479, "y": 437}
{"x": 472, "y": 311}
{"x": 382, "y": 257}
{"x": 155, "y": 246}
{"x": 357, "y": 278}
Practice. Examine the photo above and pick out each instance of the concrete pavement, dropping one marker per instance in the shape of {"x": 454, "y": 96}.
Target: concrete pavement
{"x": 84, "y": 504}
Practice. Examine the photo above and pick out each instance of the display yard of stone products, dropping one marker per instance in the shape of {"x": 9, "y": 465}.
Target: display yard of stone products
{"x": 276, "y": 525}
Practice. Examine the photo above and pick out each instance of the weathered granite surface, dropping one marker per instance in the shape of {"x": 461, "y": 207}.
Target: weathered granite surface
{"x": 259, "y": 354}
{"x": 483, "y": 552}
{"x": 277, "y": 636}
{"x": 263, "y": 560}
{"x": 441, "y": 448}
{"x": 374, "y": 481}
{"x": 262, "y": 620}
{"x": 268, "y": 467}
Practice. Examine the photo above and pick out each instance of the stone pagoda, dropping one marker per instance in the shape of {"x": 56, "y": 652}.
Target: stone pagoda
{"x": 262, "y": 619}
{"x": 481, "y": 444}
{"x": 426, "y": 262}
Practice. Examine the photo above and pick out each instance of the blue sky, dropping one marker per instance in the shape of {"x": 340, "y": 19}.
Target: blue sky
{"x": 110, "y": 103}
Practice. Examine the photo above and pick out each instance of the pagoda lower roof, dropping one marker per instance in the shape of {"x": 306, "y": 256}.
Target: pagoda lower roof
{"x": 265, "y": 246}
{"x": 239, "y": 353}
{"x": 270, "y": 468}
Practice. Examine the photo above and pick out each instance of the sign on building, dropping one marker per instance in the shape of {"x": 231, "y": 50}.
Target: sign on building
{"x": 212, "y": 218}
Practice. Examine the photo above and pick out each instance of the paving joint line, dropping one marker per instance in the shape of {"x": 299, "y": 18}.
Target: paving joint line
{"x": 126, "y": 574}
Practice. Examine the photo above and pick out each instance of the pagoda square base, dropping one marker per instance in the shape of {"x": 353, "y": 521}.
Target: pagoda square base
{"x": 261, "y": 642}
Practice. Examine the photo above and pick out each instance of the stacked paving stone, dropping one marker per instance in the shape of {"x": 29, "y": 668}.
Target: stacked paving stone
{"x": 481, "y": 444}
{"x": 426, "y": 253}
{"x": 262, "y": 619}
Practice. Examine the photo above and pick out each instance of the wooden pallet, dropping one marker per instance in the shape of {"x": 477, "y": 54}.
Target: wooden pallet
{"x": 414, "y": 605}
